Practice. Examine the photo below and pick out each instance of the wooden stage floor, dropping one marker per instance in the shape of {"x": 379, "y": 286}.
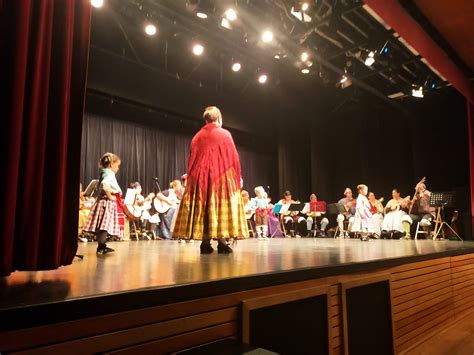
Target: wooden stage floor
{"x": 145, "y": 273}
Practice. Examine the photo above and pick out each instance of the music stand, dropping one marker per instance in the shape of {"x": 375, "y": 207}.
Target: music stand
{"x": 440, "y": 200}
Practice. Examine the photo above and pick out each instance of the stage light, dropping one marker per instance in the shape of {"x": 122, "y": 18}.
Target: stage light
{"x": 304, "y": 56}
{"x": 262, "y": 79}
{"x": 97, "y": 3}
{"x": 150, "y": 29}
{"x": 231, "y": 15}
{"x": 226, "y": 24}
{"x": 267, "y": 36}
{"x": 345, "y": 81}
{"x": 305, "y": 71}
{"x": 277, "y": 56}
{"x": 202, "y": 15}
{"x": 300, "y": 15}
{"x": 417, "y": 92}
{"x": 236, "y": 66}
{"x": 304, "y": 6}
{"x": 198, "y": 49}
{"x": 370, "y": 59}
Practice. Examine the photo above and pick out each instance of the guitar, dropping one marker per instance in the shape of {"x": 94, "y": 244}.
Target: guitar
{"x": 162, "y": 206}
{"x": 417, "y": 192}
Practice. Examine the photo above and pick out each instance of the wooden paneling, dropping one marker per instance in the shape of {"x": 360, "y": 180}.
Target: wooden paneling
{"x": 426, "y": 297}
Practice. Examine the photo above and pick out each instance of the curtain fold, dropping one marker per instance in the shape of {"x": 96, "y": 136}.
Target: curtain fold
{"x": 148, "y": 152}
{"x": 43, "y": 65}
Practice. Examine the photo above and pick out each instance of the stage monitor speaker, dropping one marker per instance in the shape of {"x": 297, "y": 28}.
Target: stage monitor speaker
{"x": 367, "y": 313}
{"x": 296, "y": 322}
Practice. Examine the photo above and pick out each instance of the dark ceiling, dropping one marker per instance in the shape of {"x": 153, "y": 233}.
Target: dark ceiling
{"x": 338, "y": 38}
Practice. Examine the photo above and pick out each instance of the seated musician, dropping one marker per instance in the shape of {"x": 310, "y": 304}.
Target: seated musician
{"x": 348, "y": 206}
{"x": 376, "y": 208}
{"x": 294, "y": 222}
{"x": 85, "y": 205}
{"x": 260, "y": 204}
{"x": 396, "y": 223}
{"x": 248, "y": 210}
{"x": 171, "y": 198}
{"x": 421, "y": 210}
{"x": 317, "y": 209}
{"x": 145, "y": 223}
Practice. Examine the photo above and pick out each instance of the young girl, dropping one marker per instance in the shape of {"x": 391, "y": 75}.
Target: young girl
{"x": 104, "y": 216}
{"x": 363, "y": 221}
{"x": 260, "y": 204}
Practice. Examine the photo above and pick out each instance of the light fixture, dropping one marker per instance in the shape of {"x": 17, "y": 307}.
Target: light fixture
{"x": 300, "y": 14}
{"x": 417, "y": 92}
{"x": 198, "y": 49}
{"x": 97, "y": 3}
{"x": 305, "y": 71}
{"x": 345, "y": 81}
{"x": 226, "y": 24}
{"x": 277, "y": 56}
{"x": 236, "y": 66}
{"x": 202, "y": 15}
{"x": 262, "y": 79}
{"x": 370, "y": 59}
{"x": 304, "y": 6}
{"x": 267, "y": 36}
{"x": 304, "y": 56}
{"x": 231, "y": 15}
{"x": 150, "y": 29}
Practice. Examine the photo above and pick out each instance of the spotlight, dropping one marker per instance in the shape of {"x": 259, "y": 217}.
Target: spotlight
{"x": 262, "y": 79}
{"x": 345, "y": 81}
{"x": 267, "y": 36}
{"x": 370, "y": 59}
{"x": 417, "y": 92}
{"x": 305, "y": 71}
{"x": 198, "y": 49}
{"x": 277, "y": 56}
{"x": 231, "y": 15}
{"x": 304, "y": 56}
{"x": 304, "y": 6}
{"x": 236, "y": 66}
{"x": 97, "y": 3}
{"x": 226, "y": 24}
{"x": 202, "y": 15}
{"x": 150, "y": 30}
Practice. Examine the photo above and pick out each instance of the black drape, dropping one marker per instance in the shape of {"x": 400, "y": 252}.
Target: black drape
{"x": 147, "y": 151}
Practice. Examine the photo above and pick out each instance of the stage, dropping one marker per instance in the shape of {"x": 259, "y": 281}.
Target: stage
{"x": 150, "y": 274}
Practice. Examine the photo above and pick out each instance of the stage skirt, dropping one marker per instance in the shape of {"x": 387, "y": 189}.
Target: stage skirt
{"x": 215, "y": 211}
{"x": 104, "y": 216}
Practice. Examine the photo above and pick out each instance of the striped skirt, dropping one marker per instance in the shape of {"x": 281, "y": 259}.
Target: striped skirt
{"x": 104, "y": 216}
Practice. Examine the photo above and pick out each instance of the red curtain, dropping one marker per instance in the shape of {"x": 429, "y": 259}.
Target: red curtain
{"x": 43, "y": 65}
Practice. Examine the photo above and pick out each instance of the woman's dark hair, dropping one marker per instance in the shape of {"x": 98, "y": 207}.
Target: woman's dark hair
{"x": 287, "y": 193}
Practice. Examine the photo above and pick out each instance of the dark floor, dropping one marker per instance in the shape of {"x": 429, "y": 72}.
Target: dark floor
{"x": 164, "y": 264}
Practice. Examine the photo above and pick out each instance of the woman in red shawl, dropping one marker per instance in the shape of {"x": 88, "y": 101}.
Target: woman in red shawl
{"x": 212, "y": 205}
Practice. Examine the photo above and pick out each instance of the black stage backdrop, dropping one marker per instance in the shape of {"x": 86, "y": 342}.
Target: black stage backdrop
{"x": 147, "y": 151}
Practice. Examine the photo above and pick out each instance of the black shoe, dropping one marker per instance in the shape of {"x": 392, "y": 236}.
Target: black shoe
{"x": 103, "y": 249}
{"x": 322, "y": 234}
{"x": 223, "y": 248}
{"x": 206, "y": 248}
